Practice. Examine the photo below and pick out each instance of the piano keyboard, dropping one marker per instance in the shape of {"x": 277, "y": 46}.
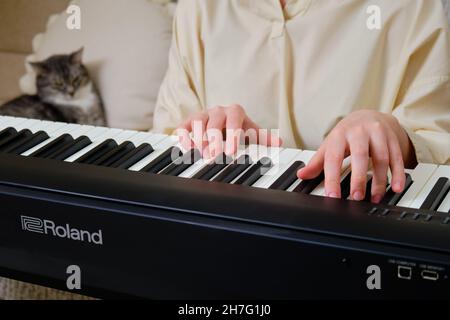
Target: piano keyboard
{"x": 261, "y": 167}
{"x": 176, "y": 226}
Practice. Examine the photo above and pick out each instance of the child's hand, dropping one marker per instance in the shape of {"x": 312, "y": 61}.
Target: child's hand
{"x": 221, "y": 124}
{"x": 363, "y": 134}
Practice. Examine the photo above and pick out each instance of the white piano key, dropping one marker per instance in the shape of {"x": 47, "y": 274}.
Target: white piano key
{"x": 442, "y": 171}
{"x": 445, "y": 205}
{"x": 29, "y": 124}
{"x": 110, "y": 134}
{"x": 420, "y": 175}
{"x": 95, "y": 133}
{"x": 81, "y": 131}
{"x": 18, "y": 123}
{"x": 146, "y": 137}
{"x": 4, "y": 119}
{"x": 125, "y": 135}
{"x": 257, "y": 152}
{"x": 286, "y": 158}
{"x": 160, "y": 147}
{"x": 11, "y": 121}
{"x": 71, "y": 129}
{"x": 196, "y": 167}
{"x": 50, "y": 127}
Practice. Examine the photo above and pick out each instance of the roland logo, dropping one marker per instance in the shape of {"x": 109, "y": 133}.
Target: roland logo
{"x": 49, "y": 227}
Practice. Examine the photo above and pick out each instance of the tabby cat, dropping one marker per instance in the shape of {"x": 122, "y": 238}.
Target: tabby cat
{"x": 65, "y": 92}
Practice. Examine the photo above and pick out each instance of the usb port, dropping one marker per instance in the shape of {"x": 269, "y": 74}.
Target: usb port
{"x": 430, "y": 275}
{"x": 404, "y": 272}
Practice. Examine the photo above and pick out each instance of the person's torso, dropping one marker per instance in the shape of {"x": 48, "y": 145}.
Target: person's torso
{"x": 304, "y": 69}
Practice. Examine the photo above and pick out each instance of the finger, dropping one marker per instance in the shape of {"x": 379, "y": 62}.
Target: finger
{"x": 314, "y": 166}
{"x": 379, "y": 152}
{"x": 198, "y": 125}
{"x": 234, "y": 121}
{"x": 359, "y": 151}
{"x": 334, "y": 156}
{"x": 216, "y": 124}
{"x": 396, "y": 163}
{"x": 265, "y": 137}
{"x": 183, "y": 133}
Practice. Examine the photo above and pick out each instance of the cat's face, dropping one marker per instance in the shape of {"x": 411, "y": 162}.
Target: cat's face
{"x": 62, "y": 78}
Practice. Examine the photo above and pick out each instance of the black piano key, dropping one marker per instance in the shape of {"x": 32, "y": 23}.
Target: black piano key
{"x": 391, "y": 198}
{"x": 212, "y": 169}
{"x": 163, "y": 160}
{"x": 15, "y": 140}
{"x": 182, "y": 164}
{"x": 96, "y": 153}
{"x": 288, "y": 177}
{"x": 6, "y": 133}
{"x": 234, "y": 170}
{"x": 345, "y": 186}
{"x": 69, "y": 149}
{"x": 134, "y": 156}
{"x": 437, "y": 194}
{"x": 53, "y": 146}
{"x": 308, "y": 186}
{"x": 114, "y": 154}
{"x": 368, "y": 195}
{"x": 31, "y": 142}
{"x": 255, "y": 172}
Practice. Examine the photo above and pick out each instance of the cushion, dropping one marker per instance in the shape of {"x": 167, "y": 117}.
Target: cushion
{"x": 126, "y": 52}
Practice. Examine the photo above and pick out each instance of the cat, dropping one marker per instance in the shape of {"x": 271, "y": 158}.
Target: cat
{"x": 65, "y": 92}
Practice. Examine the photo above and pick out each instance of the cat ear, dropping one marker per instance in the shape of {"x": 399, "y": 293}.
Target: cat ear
{"x": 77, "y": 56}
{"x": 38, "y": 67}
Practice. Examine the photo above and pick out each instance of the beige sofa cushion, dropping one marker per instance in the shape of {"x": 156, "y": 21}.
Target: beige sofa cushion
{"x": 126, "y": 53}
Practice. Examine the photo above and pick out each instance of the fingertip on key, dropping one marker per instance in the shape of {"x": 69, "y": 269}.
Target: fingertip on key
{"x": 333, "y": 195}
{"x": 397, "y": 186}
{"x": 376, "y": 199}
{"x": 358, "y": 196}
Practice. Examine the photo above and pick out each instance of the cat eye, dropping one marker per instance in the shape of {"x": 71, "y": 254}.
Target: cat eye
{"x": 58, "y": 83}
{"x": 76, "y": 80}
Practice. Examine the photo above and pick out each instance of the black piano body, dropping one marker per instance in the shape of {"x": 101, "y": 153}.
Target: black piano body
{"x": 136, "y": 235}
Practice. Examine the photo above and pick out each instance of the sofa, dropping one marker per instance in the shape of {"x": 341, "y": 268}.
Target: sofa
{"x": 20, "y": 20}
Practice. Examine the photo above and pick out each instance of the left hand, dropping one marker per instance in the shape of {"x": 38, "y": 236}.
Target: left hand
{"x": 362, "y": 135}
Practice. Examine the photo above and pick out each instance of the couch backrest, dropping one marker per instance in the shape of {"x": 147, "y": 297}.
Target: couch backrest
{"x": 20, "y": 20}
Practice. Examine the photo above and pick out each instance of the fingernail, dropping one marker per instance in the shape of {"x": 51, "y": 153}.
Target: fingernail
{"x": 397, "y": 186}
{"x": 358, "y": 196}
{"x": 333, "y": 195}
{"x": 376, "y": 199}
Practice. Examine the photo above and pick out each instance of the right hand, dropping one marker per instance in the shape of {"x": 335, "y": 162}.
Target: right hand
{"x": 221, "y": 129}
